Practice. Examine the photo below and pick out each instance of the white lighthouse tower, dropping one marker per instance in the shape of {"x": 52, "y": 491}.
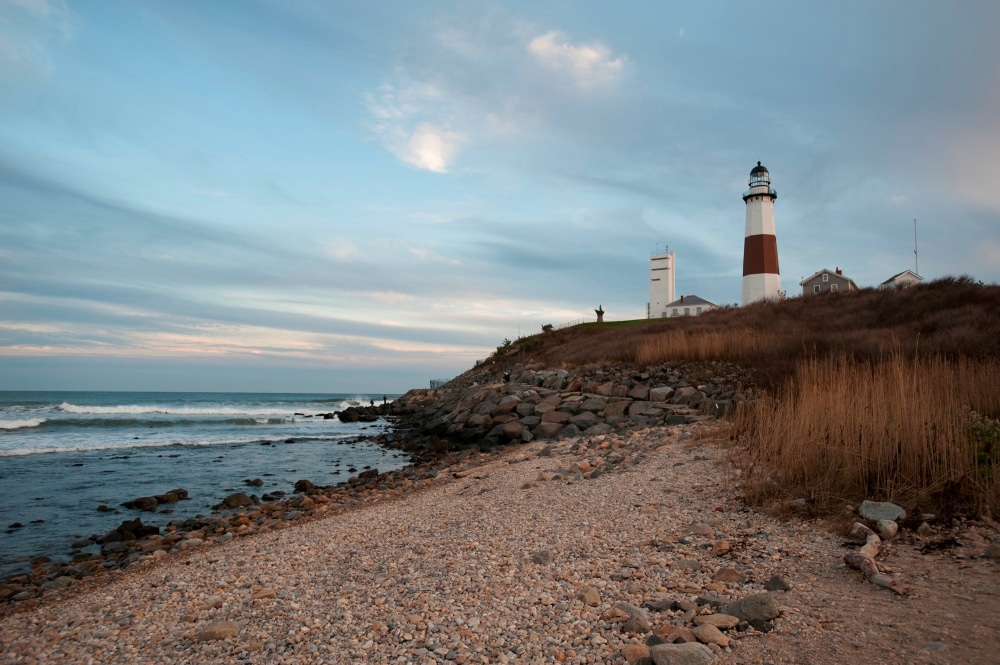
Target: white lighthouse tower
{"x": 662, "y": 290}
{"x": 761, "y": 280}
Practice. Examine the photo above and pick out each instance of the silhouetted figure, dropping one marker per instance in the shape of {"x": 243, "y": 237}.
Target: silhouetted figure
{"x": 506, "y": 377}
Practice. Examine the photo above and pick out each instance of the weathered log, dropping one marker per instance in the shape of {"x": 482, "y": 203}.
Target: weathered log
{"x": 864, "y": 560}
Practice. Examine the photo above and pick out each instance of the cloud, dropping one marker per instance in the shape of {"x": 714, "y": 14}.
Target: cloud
{"x": 27, "y": 27}
{"x": 431, "y": 148}
{"x": 484, "y": 90}
{"x": 587, "y": 65}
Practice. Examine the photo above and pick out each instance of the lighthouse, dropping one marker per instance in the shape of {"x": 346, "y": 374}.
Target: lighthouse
{"x": 761, "y": 280}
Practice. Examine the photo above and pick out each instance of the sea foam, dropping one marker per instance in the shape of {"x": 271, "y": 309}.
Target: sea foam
{"x": 21, "y": 424}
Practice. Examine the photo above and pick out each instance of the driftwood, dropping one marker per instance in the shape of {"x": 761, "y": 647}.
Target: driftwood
{"x": 864, "y": 560}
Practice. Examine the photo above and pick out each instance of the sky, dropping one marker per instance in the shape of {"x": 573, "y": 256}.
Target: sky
{"x": 305, "y": 195}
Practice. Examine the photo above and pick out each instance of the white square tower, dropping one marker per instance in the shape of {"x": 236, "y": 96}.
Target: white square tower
{"x": 661, "y": 282}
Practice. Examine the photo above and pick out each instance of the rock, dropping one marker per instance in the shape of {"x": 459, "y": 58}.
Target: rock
{"x": 876, "y": 510}
{"x": 777, "y": 583}
{"x": 547, "y": 430}
{"x": 513, "y": 430}
{"x": 304, "y": 486}
{"x": 690, "y": 653}
{"x": 720, "y": 621}
{"x": 887, "y": 528}
{"x": 218, "y": 630}
{"x": 701, "y": 529}
{"x": 709, "y": 634}
{"x": 637, "y": 621}
{"x": 256, "y": 482}
{"x": 560, "y": 417}
{"x": 924, "y": 529}
{"x": 636, "y": 654}
{"x": 590, "y": 596}
{"x": 237, "y": 500}
{"x": 758, "y": 607}
{"x": 682, "y": 634}
{"x": 660, "y": 393}
{"x": 726, "y": 575}
{"x": 544, "y": 557}
{"x": 992, "y": 552}
{"x": 147, "y": 503}
{"x": 721, "y": 547}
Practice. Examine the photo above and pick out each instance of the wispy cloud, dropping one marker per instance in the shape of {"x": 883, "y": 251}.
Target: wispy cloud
{"x": 587, "y": 65}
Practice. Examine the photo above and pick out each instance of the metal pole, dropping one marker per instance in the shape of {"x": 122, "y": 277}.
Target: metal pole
{"x": 916, "y": 256}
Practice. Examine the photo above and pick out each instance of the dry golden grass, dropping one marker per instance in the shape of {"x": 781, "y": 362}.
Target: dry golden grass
{"x": 921, "y": 432}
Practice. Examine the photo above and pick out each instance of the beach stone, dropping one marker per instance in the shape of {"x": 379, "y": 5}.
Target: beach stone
{"x": 777, "y": 583}
{"x": 690, "y": 653}
{"x": 758, "y": 607}
{"x": 304, "y": 486}
{"x": 709, "y": 634}
{"x": 637, "y": 621}
{"x": 681, "y": 634}
{"x": 636, "y": 654}
{"x": 887, "y": 528}
{"x": 590, "y": 596}
{"x": 218, "y": 630}
{"x": 880, "y": 510}
{"x": 992, "y": 552}
{"x": 720, "y": 621}
{"x": 701, "y": 529}
{"x": 544, "y": 557}
{"x": 726, "y": 575}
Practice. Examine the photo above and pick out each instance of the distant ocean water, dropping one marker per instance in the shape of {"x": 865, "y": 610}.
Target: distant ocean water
{"x": 63, "y": 454}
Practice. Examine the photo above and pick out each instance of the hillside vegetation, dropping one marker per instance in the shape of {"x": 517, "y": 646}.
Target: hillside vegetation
{"x": 889, "y": 395}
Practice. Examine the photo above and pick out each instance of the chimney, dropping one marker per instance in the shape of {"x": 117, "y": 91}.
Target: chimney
{"x": 839, "y": 271}
{"x": 682, "y": 298}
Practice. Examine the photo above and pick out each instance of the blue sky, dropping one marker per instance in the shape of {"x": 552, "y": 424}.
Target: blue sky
{"x": 307, "y": 195}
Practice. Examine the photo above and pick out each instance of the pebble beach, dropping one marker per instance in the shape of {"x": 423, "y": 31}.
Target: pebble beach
{"x": 526, "y": 556}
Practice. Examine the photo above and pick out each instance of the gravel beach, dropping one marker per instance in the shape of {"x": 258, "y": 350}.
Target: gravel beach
{"x": 524, "y": 559}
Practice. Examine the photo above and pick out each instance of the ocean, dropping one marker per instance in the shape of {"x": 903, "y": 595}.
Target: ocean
{"x": 63, "y": 454}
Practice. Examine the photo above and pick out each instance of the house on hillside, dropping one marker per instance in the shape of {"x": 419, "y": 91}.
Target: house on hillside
{"x": 827, "y": 280}
{"x": 689, "y": 306}
{"x": 901, "y": 280}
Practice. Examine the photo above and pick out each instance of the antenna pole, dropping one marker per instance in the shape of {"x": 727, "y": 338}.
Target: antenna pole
{"x": 916, "y": 256}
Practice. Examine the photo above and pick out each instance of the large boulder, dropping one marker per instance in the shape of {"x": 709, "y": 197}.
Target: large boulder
{"x": 547, "y": 430}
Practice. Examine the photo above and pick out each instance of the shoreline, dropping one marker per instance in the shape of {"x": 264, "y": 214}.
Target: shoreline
{"x": 498, "y": 560}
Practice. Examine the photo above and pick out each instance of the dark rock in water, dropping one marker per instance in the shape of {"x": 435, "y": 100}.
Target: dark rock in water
{"x": 137, "y": 529}
{"x": 348, "y": 416}
{"x": 166, "y": 498}
{"x": 80, "y": 544}
{"x": 147, "y": 503}
{"x": 304, "y": 486}
{"x": 237, "y": 500}
{"x": 365, "y": 475}
{"x": 105, "y": 509}
{"x": 352, "y": 470}
{"x": 289, "y": 440}
{"x": 328, "y": 416}
{"x": 256, "y": 482}
{"x": 15, "y": 525}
